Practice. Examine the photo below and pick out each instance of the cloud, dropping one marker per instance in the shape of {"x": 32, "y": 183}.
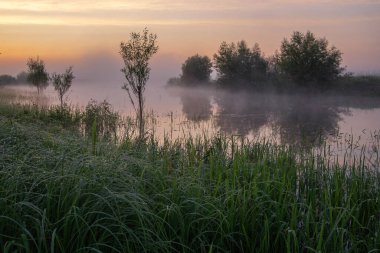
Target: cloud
{"x": 74, "y": 29}
{"x": 165, "y": 12}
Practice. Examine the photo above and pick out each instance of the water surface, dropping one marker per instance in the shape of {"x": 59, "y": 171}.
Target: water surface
{"x": 307, "y": 119}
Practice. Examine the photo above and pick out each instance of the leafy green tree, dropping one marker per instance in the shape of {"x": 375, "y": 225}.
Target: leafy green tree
{"x": 136, "y": 53}
{"x": 62, "y": 83}
{"x": 238, "y": 63}
{"x": 305, "y": 58}
{"x": 37, "y": 74}
{"x": 196, "y": 69}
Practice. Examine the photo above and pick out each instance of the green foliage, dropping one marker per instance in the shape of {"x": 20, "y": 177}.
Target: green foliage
{"x": 67, "y": 117}
{"x": 37, "y": 74}
{"x": 240, "y": 64}
{"x": 100, "y": 120}
{"x": 136, "y": 53}
{"x": 62, "y": 83}
{"x": 196, "y": 69}
{"x": 305, "y": 58}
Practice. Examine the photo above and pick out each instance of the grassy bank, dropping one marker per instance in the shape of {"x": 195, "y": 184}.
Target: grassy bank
{"x": 62, "y": 191}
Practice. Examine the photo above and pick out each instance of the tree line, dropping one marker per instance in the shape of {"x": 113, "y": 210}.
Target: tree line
{"x": 20, "y": 78}
{"x": 302, "y": 60}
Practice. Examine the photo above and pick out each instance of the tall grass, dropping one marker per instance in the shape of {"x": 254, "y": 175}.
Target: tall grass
{"x": 196, "y": 194}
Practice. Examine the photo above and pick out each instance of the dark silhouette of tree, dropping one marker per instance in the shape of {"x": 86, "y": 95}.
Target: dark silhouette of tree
{"x": 240, "y": 64}
{"x": 136, "y": 53}
{"x": 174, "y": 81}
{"x": 306, "y": 59}
{"x": 22, "y": 77}
{"x": 37, "y": 74}
{"x": 7, "y": 79}
{"x": 196, "y": 69}
{"x": 62, "y": 83}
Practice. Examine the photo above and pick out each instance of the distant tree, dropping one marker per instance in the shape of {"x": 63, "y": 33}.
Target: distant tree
{"x": 306, "y": 59}
{"x": 174, "y": 81}
{"x": 238, "y": 63}
{"x": 37, "y": 74}
{"x": 62, "y": 83}
{"x": 136, "y": 53}
{"x": 196, "y": 69}
{"x": 7, "y": 79}
{"x": 22, "y": 77}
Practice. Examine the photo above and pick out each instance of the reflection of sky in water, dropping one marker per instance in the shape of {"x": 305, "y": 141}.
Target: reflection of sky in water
{"x": 290, "y": 118}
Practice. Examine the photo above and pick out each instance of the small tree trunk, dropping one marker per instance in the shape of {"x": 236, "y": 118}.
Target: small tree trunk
{"x": 61, "y": 100}
{"x": 141, "y": 118}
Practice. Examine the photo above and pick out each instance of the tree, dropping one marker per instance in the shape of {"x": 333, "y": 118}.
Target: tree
{"x": 62, "y": 83}
{"x": 238, "y": 63}
{"x": 7, "y": 79}
{"x": 22, "y": 77}
{"x": 37, "y": 74}
{"x": 136, "y": 53}
{"x": 196, "y": 69}
{"x": 308, "y": 59}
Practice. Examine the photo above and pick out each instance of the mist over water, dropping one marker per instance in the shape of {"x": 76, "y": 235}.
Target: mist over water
{"x": 305, "y": 118}
{"x": 297, "y": 118}
{"x": 344, "y": 123}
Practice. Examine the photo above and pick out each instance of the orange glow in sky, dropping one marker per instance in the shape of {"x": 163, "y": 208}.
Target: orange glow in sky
{"x": 71, "y": 30}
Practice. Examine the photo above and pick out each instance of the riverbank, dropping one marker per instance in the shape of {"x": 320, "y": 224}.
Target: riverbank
{"x": 63, "y": 191}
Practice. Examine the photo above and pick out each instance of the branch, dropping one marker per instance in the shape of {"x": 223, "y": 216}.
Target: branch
{"x": 130, "y": 97}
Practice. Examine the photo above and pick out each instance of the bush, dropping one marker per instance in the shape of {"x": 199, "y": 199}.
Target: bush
{"x": 99, "y": 117}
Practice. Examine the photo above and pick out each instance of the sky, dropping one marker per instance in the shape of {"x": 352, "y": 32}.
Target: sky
{"x": 86, "y": 34}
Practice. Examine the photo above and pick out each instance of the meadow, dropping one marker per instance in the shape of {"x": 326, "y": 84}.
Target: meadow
{"x": 66, "y": 186}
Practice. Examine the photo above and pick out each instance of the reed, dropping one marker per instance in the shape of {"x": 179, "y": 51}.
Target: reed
{"x": 191, "y": 194}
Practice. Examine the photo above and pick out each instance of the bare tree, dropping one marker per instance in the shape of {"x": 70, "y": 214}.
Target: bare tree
{"x": 136, "y": 53}
{"x": 37, "y": 74}
{"x": 62, "y": 83}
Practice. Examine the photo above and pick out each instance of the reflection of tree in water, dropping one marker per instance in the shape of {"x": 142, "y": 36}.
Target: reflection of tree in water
{"x": 196, "y": 105}
{"x": 296, "y": 119}
{"x": 242, "y": 113}
{"x": 305, "y": 120}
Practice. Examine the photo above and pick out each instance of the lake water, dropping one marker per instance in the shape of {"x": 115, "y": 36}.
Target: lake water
{"x": 346, "y": 122}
